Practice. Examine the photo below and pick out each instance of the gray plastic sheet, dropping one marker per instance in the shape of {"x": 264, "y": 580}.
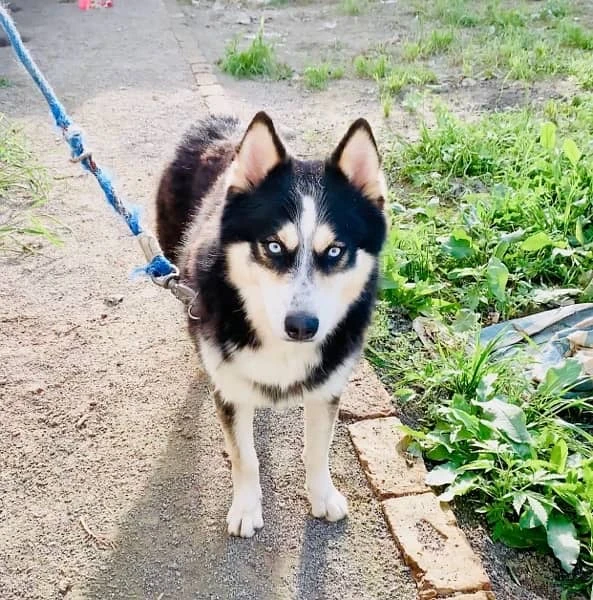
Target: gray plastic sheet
{"x": 549, "y": 338}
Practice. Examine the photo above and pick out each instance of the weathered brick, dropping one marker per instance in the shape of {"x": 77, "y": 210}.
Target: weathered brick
{"x": 207, "y": 79}
{"x": 436, "y": 550}
{"x": 390, "y": 471}
{"x": 200, "y": 68}
{"x": 365, "y": 397}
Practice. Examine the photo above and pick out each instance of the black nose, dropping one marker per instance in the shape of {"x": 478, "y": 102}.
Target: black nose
{"x": 301, "y": 326}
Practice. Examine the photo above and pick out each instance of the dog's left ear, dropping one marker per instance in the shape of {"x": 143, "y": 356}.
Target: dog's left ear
{"x": 358, "y": 158}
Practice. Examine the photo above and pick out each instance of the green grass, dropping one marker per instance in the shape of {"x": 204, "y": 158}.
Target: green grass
{"x": 513, "y": 213}
{"x": 574, "y": 36}
{"x": 387, "y": 105}
{"x": 458, "y": 13}
{"x": 437, "y": 42}
{"x": 503, "y": 19}
{"x": 353, "y": 8}
{"x": 403, "y": 77}
{"x": 582, "y": 71}
{"x": 520, "y": 453}
{"x": 317, "y": 77}
{"x": 374, "y": 67}
{"x": 23, "y": 190}
{"x": 525, "y": 42}
{"x": 492, "y": 214}
{"x": 496, "y": 209}
{"x": 517, "y": 54}
{"x": 257, "y": 60}
{"x": 5, "y": 82}
{"x": 392, "y": 79}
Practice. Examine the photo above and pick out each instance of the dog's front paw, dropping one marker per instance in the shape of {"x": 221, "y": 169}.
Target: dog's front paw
{"x": 245, "y": 516}
{"x": 328, "y": 503}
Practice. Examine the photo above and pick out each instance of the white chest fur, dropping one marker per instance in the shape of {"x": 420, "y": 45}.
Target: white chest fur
{"x": 281, "y": 365}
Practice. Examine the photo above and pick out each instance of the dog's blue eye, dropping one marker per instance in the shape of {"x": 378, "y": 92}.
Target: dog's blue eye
{"x": 334, "y": 251}
{"x": 274, "y": 248}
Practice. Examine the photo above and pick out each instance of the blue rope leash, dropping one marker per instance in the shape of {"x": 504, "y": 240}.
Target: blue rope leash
{"x": 161, "y": 270}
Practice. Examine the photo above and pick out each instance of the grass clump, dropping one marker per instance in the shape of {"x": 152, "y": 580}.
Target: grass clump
{"x": 437, "y": 42}
{"x": 500, "y": 209}
{"x": 456, "y": 13}
{"x": 503, "y": 19}
{"x": 574, "y": 36}
{"x": 402, "y": 77}
{"x": 23, "y": 190}
{"x": 376, "y": 67}
{"x": 391, "y": 78}
{"x": 257, "y": 60}
{"x": 518, "y": 54}
{"x": 317, "y": 77}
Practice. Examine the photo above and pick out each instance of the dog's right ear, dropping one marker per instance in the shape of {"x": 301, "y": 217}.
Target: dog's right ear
{"x": 260, "y": 150}
{"x": 358, "y": 159}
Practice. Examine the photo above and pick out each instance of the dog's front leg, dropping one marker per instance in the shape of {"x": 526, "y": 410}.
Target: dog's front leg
{"x": 326, "y": 501}
{"x": 245, "y": 514}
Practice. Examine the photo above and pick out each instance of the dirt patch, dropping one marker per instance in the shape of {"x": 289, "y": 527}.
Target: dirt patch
{"x": 521, "y": 575}
{"x": 429, "y": 536}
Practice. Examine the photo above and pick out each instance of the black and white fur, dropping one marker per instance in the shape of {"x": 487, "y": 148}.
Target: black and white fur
{"x": 284, "y": 256}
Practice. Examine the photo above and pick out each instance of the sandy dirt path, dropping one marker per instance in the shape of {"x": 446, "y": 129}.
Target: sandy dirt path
{"x": 79, "y": 338}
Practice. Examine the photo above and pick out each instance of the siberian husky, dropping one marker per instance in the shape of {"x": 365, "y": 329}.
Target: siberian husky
{"x": 283, "y": 254}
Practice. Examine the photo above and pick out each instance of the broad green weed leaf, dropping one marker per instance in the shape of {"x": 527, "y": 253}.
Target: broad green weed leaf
{"x": 536, "y": 242}
{"x": 547, "y": 135}
{"x": 458, "y": 244}
{"x": 539, "y": 510}
{"x": 512, "y": 535}
{"x": 442, "y": 475}
{"x": 497, "y": 276}
{"x": 482, "y": 464}
{"x": 439, "y": 452}
{"x": 514, "y": 236}
{"x": 412, "y": 433}
{"x": 465, "y": 272}
{"x": 571, "y": 151}
{"x": 562, "y": 538}
{"x": 519, "y": 499}
{"x": 559, "y": 456}
{"x": 458, "y": 488}
{"x": 507, "y": 418}
{"x": 528, "y": 520}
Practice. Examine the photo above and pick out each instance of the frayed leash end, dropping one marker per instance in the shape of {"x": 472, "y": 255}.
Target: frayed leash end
{"x": 158, "y": 267}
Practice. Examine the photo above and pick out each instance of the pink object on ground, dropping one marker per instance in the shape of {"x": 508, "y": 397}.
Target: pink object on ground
{"x": 87, "y": 4}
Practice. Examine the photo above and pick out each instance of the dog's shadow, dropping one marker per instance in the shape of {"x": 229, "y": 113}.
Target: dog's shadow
{"x": 173, "y": 543}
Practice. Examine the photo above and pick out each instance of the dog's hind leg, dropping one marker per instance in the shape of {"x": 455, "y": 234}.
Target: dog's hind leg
{"x": 326, "y": 501}
{"x": 245, "y": 514}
